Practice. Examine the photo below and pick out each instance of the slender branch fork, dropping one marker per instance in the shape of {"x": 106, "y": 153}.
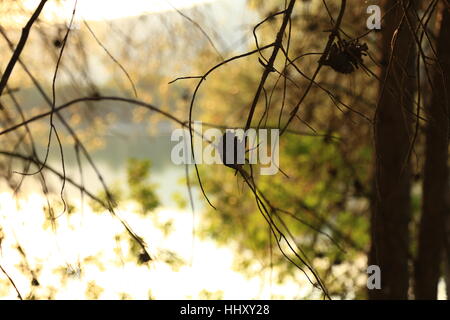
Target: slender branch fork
{"x": 269, "y": 67}
{"x": 333, "y": 35}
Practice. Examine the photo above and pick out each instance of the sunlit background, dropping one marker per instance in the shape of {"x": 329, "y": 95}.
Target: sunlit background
{"x": 86, "y": 248}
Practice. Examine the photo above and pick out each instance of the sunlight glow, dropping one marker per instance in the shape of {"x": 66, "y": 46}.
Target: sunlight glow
{"x": 86, "y": 234}
{"x": 109, "y": 9}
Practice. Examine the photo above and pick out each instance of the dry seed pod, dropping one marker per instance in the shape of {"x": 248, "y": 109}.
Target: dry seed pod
{"x": 346, "y": 56}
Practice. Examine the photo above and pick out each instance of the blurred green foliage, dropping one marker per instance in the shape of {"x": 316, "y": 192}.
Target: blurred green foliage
{"x": 140, "y": 190}
{"x": 327, "y": 157}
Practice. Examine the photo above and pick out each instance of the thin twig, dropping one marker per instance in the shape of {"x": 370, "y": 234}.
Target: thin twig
{"x": 22, "y": 41}
{"x": 269, "y": 67}
{"x": 12, "y": 282}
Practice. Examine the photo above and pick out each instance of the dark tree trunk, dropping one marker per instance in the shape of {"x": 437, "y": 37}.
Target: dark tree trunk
{"x": 447, "y": 237}
{"x": 391, "y": 209}
{"x": 435, "y": 184}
